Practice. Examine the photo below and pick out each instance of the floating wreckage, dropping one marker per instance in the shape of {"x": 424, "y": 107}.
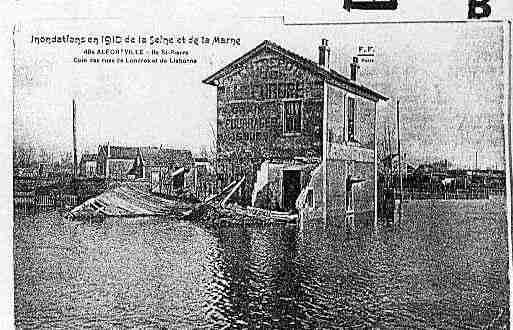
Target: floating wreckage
{"x": 130, "y": 200}
{"x": 226, "y": 214}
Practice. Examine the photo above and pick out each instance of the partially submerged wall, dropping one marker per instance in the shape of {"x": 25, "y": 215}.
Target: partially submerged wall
{"x": 250, "y": 117}
{"x": 350, "y": 161}
{"x": 268, "y": 189}
{"x": 310, "y": 202}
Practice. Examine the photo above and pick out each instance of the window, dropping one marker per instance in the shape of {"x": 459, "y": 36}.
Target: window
{"x": 351, "y": 108}
{"x": 299, "y": 89}
{"x": 236, "y": 92}
{"x": 349, "y": 196}
{"x": 257, "y": 93}
{"x": 262, "y": 123}
{"x": 291, "y": 90}
{"x": 317, "y": 89}
{"x": 264, "y": 91}
{"x": 281, "y": 90}
{"x": 245, "y": 91}
{"x": 292, "y": 117}
{"x": 273, "y": 93}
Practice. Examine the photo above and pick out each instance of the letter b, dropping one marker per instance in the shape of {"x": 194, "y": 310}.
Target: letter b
{"x": 486, "y": 10}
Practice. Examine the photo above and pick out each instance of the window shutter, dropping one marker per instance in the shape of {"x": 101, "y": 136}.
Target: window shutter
{"x": 350, "y": 119}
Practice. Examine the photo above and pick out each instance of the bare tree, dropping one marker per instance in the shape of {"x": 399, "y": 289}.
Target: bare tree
{"x": 23, "y": 156}
{"x": 213, "y": 139}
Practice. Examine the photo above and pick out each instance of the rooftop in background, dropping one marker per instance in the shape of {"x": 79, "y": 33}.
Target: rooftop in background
{"x": 154, "y": 156}
{"x": 119, "y": 152}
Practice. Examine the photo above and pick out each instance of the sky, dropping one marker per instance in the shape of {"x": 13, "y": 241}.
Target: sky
{"x": 447, "y": 77}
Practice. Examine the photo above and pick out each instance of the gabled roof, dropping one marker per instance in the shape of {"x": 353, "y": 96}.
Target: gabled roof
{"x": 153, "y": 156}
{"x": 330, "y": 76}
{"x": 120, "y": 152}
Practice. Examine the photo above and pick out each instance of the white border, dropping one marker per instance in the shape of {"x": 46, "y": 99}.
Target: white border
{"x": 507, "y": 148}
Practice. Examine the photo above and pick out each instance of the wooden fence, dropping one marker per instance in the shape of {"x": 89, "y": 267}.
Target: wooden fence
{"x": 413, "y": 194}
{"x": 27, "y": 200}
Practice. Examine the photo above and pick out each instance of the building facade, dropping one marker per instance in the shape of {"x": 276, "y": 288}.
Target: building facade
{"x": 301, "y": 133}
{"x": 88, "y": 164}
{"x": 115, "y": 162}
{"x": 164, "y": 168}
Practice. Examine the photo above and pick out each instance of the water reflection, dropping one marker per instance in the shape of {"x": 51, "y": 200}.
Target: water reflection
{"x": 261, "y": 280}
{"x": 446, "y": 267}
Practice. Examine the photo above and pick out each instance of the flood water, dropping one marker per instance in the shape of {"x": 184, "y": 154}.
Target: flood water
{"x": 445, "y": 267}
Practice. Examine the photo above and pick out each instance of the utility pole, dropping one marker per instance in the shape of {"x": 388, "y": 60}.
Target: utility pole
{"x": 399, "y": 163}
{"x": 388, "y": 171}
{"x": 74, "y": 140}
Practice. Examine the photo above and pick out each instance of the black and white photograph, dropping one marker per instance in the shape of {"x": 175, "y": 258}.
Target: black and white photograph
{"x": 246, "y": 173}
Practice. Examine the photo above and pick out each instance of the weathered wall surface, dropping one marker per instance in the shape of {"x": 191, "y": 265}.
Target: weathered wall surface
{"x": 336, "y": 98}
{"x": 119, "y": 168}
{"x": 349, "y": 158}
{"x": 364, "y": 117}
{"x": 336, "y": 173}
{"x": 364, "y": 191}
{"x": 250, "y": 121}
{"x": 267, "y": 191}
{"x": 315, "y": 183}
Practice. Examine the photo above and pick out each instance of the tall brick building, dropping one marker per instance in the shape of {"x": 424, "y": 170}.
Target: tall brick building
{"x": 280, "y": 116}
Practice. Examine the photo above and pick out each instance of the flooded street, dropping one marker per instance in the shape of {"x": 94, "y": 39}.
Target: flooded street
{"x": 445, "y": 267}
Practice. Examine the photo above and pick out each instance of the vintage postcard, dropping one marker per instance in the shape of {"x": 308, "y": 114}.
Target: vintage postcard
{"x": 257, "y": 173}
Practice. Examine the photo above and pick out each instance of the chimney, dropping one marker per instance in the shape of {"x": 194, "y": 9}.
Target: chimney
{"x": 354, "y": 68}
{"x": 324, "y": 54}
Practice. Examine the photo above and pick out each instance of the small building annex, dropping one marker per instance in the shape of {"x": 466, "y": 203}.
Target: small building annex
{"x": 88, "y": 164}
{"x": 164, "y": 168}
{"x": 301, "y": 133}
{"x": 115, "y": 162}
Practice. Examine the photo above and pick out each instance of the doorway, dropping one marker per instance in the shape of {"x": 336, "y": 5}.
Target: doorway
{"x": 178, "y": 181}
{"x": 291, "y": 188}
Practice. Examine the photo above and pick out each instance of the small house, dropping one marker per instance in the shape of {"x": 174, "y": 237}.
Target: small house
{"x": 115, "y": 161}
{"x": 88, "y": 164}
{"x": 164, "y": 168}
